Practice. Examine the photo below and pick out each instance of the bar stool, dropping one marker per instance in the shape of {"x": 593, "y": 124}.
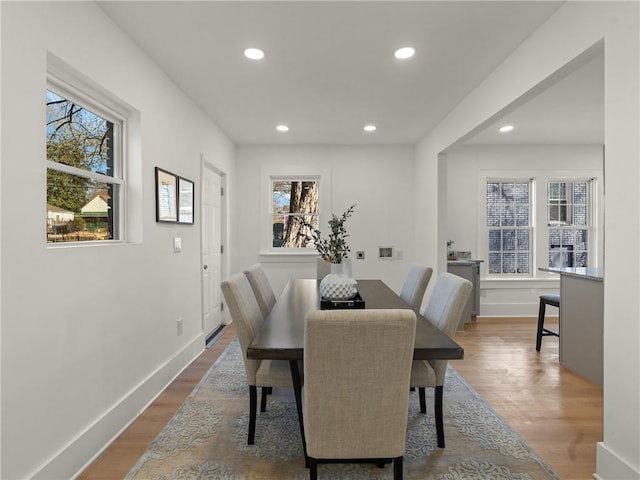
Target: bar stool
{"x": 548, "y": 299}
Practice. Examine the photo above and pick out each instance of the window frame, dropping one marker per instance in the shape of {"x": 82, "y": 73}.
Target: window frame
{"x": 591, "y": 185}
{"x": 530, "y": 227}
{"x": 92, "y": 99}
{"x": 292, "y": 214}
{"x": 319, "y": 174}
{"x": 539, "y": 240}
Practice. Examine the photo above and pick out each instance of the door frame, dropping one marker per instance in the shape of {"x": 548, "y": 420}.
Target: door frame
{"x": 206, "y": 164}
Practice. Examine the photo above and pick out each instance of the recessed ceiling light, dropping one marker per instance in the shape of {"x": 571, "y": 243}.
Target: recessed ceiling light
{"x": 282, "y": 128}
{"x": 254, "y": 53}
{"x": 506, "y": 128}
{"x": 405, "y": 52}
{"x": 370, "y": 128}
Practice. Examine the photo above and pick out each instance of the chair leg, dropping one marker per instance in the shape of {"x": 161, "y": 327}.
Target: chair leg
{"x": 263, "y": 400}
{"x": 397, "y": 468}
{"x": 253, "y": 405}
{"x": 439, "y": 419}
{"x": 541, "y": 313}
{"x": 423, "y": 400}
{"x": 313, "y": 469}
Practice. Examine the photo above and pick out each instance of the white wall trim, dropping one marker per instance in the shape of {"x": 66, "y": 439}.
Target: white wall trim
{"x": 97, "y": 437}
{"x": 513, "y": 283}
{"x": 319, "y": 173}
{"x": 612, "y": 467}
{"x": 518, "y": 309}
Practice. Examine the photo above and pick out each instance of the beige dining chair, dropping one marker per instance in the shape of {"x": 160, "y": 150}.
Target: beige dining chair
{"x": 248, "y": 319}
{"x": 415, "y": 284}
{"x": 365, "y": 357}
{"x": 261, "y": 288}
{"x": 444, "y": 307}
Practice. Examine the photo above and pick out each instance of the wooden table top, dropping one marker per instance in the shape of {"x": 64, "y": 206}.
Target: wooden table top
{"x": 282, "y": 335}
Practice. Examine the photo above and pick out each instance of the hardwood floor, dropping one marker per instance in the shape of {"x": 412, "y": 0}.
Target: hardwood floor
{"x": 558, "y": 413}
{"x": 116, "y": 461}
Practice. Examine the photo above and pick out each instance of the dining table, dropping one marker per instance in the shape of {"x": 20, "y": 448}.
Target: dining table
{"x": 282, "y": 334}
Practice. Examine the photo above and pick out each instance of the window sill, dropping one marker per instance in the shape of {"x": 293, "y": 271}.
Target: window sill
{"x": 292, "y": 256}
{"x": 528, "y": 282}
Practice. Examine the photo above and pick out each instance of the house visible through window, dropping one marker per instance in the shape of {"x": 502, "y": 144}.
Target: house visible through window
{"x": 294, "y": 212}
{"x": 509, "y": 226}
{"x": 84, "y": 174}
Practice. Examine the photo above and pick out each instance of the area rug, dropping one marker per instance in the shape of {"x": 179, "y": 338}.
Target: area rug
{"x": 207, "y": 438}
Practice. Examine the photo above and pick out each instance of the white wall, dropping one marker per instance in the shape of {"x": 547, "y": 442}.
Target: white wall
{"x": 89, "y": 334}
{"x": 574, "y": 28}
{"x": 467, "y": 167}
{"x": 376, "y": 178}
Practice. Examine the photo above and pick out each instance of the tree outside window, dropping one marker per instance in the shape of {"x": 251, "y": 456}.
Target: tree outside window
{"x": 294, "y": 212}
{"x": 82, "y": 190}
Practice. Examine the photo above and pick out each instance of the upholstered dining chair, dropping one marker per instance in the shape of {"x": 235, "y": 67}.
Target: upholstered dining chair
{"x": 247, "y": 319}
{"x": 365, "y": 356}
{"x": 261, "y": 288}
{"x": 415, "y": 284}
{"x": 444, "y": 307}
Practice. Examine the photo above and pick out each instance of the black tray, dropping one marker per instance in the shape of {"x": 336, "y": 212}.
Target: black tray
{"x": 354, "y": 303}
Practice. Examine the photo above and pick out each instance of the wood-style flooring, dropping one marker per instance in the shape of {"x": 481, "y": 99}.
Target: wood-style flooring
{"x": 558, "y": 413}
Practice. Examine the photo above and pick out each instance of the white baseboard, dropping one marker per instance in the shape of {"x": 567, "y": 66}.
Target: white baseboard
{"x": 611, "y": 467}
{"x": 509, "y": 309}
{"x": 75, "y": 457}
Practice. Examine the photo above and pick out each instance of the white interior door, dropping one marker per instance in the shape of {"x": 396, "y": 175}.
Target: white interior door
{"x": 211, "y": 250}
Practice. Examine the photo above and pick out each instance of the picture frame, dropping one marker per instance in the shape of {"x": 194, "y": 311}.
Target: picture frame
{"x": 166, "y": 196}
{"x": 186, "y": 190}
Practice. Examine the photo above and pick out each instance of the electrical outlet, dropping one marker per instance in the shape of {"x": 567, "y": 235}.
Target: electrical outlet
{"x": 177, "y": 244}
{"x": 360, "y": 255}
{"x": 179, "y": 326}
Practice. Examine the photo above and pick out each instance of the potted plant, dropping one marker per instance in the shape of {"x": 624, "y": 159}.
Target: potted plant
{"x": 337, "y": 285}
{"x": 334, "y": 248}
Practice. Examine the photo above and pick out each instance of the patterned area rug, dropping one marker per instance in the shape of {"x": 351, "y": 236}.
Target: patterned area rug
{"x": 207, "y": 438}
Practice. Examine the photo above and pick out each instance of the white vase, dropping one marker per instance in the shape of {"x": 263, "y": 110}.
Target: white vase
{"x": 338, "y": 285}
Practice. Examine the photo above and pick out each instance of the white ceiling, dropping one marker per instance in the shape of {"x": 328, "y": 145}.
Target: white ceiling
{"x": 569, "y": 111}
{"x": 329, "y": 67}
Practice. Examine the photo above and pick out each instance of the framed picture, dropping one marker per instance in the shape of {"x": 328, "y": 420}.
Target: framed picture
{"x": 185, "y": 200}
{"x": 166, "y": 196}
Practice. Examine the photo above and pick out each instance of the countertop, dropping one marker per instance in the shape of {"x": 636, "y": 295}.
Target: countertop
{"x": 464, "y": 261}
{"x": 596, "y": 274}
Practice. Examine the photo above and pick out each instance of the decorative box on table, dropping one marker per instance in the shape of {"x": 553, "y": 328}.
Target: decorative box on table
{"x": 353, "y": 303}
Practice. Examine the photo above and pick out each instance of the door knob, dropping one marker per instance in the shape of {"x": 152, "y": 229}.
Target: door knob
{"x": 206, "y": 266}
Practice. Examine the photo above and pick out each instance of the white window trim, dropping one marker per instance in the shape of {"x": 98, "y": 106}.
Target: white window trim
{"x": 531, "y": 227}
{"x": 66, "y": 81}
{"x": 538, "y": 222}
{"x": 320, "y": 174}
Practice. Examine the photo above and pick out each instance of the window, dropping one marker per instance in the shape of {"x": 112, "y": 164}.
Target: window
{"x": 294, "y": 212}
{"x": 85, "y": 186}
{"x": 568, "y": 223}
{"x": 509, "y": 226}
{"x": 549, "y": 220}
